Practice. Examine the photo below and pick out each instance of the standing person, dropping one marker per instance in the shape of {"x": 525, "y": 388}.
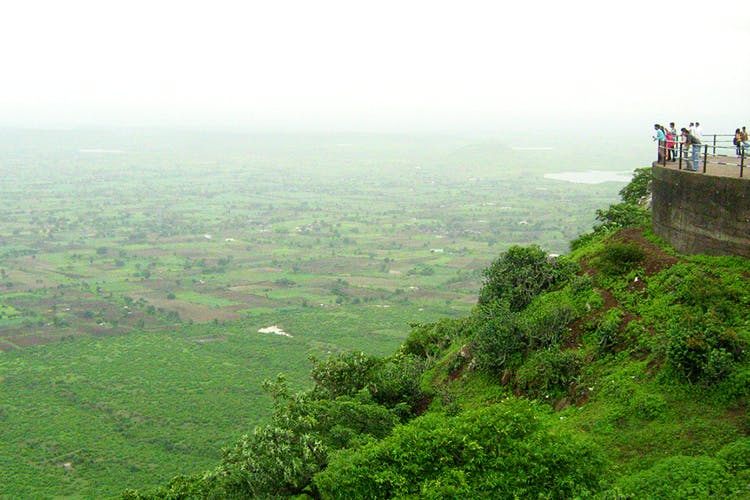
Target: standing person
{"x": 661, "y": 140}
{"x": 683, "y": 145}
{"x": 737, "y": 141}
{"x": 744, "y": 142}
{"x": 698, "y": 131}
{"x": 695, "y": 143}
{"x": 671, "y": 141}
{"x": 673, "y": 150}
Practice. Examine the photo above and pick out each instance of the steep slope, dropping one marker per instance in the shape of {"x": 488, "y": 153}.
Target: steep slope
{"x": 618, "y": 371}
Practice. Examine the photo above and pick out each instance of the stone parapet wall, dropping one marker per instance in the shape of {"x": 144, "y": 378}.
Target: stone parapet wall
{"x": 699, "y": 213}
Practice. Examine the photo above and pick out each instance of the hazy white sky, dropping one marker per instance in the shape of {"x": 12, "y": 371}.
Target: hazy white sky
{"x": 365, "y": 65}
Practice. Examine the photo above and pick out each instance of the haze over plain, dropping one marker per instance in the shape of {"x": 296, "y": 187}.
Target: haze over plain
{"x": 382, "y": 66}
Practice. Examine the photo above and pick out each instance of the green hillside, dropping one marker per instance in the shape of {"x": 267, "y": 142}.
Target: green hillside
{"x": 620, "y": 370}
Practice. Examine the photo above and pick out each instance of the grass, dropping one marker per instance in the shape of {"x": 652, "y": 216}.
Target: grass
{"x": 130, "y": 387}
{"x": 134, "y": 410}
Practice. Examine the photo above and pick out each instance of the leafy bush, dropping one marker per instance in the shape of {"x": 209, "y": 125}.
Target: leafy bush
{"x": 618, "y": 216}
{"x": 343, "y": 374}
{"x": 548, "y": 373}
{"x": 391, "y": 382}
{"x": 498, "y": 341}
{"x": 627, "y": 401}
{"x": 428, "y": 340}
{"x": 581, "y": 284}
{"x": 736, "y": 455}
{"x": 281, "y": 458}
{"x": 545, "y": 321}
{"x": 699, "y": 310}
{"x": 271, "y": 462}
{"x": 638, "y": 188}
{"x": 522, "y": 273}
{"x": 702, "y": 350}
{"x": 501, "y": 451}
{"x": 677, "y": 477}
{"x": 621, "y": 216}
{"x": 736, "y": 386}
{"x": 619, "y": 258}
{"x": 396, "y": 384}
{"x": 607, "y": 330}
{"x": 583, "y": 296}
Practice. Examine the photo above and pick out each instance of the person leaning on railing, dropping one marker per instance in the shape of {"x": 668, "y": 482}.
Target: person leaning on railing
{"x": 737, "y": 141}
{"x": 661, "y": 137}
{"x": 695, "y": 143}
{"x": 673, "y": 148}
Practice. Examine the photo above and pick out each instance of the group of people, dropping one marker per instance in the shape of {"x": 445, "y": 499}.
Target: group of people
{"x": 690, "y": 137}
{"x": 741, "y": 141}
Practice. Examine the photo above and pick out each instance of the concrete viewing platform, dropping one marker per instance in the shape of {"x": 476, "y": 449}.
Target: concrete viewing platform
{"x": 700, "y": 212}
{"x": 718, "y": 165}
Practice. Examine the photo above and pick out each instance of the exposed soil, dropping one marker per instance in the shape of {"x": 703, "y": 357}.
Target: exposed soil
{"x": 654, "y": 261}
{"x": 655, "y": 258}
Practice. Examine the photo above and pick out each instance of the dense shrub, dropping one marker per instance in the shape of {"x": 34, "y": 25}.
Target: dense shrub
{"x": 396, "y": 384}
{"x": 280, "y": 459}
{"x": 626, "y": 401}
{"x": 638, "y": 188}
{"x": 501, "y": 451}
{"x": 607, "y": 330}
{"x": 703, "y": 350}
{"x": 736, "y": 387}
{"x": 677, "y": 477}
{"x": 391, "y": 381}
{"x": 736, "y": 455}
{"x": 618, "y": 216}
{"x": 545, "y": 321}
{"x": 343, "y": 374}
{"x": 698, "y": 289}
{"x": 621, "y": 216}
{"x": 522, "y": 273}
{"x": 619, "y": 258}
{"x": 428, "y": 340}
{"x": 272, "y": 461}
{"x": 498, "y": 341}
{"x": 548, "y": 373}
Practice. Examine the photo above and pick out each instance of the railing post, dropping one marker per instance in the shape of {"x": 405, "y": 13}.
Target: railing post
{"x": 742, "y": 159}
{"x": 679, "y": 164}
{"x": 705, "y": 157}
{"x": 714, "y": 153}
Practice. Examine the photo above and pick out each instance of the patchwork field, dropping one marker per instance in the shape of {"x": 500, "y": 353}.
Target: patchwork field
{"x": 136, "y": 270}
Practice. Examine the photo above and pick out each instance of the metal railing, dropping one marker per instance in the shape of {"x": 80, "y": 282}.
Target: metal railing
{"x": 714, "y": 142}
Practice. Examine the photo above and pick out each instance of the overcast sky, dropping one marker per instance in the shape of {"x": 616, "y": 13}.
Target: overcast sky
{"x": 371, "y": 65}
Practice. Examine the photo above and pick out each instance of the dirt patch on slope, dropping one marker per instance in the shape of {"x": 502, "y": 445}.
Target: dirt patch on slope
{"x": 655, "y": 260}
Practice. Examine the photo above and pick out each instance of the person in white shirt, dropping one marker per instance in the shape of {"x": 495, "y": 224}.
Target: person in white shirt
{"x": 698, "y": 131}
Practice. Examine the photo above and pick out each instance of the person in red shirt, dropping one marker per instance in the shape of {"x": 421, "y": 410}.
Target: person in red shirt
{"x": 671, "y": 142}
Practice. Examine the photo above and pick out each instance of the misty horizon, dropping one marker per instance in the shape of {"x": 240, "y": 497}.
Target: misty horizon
{"x": 386, "y": 67}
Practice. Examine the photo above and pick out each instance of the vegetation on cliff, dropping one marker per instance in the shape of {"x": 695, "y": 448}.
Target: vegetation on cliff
{"x": 618, "y": 371}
